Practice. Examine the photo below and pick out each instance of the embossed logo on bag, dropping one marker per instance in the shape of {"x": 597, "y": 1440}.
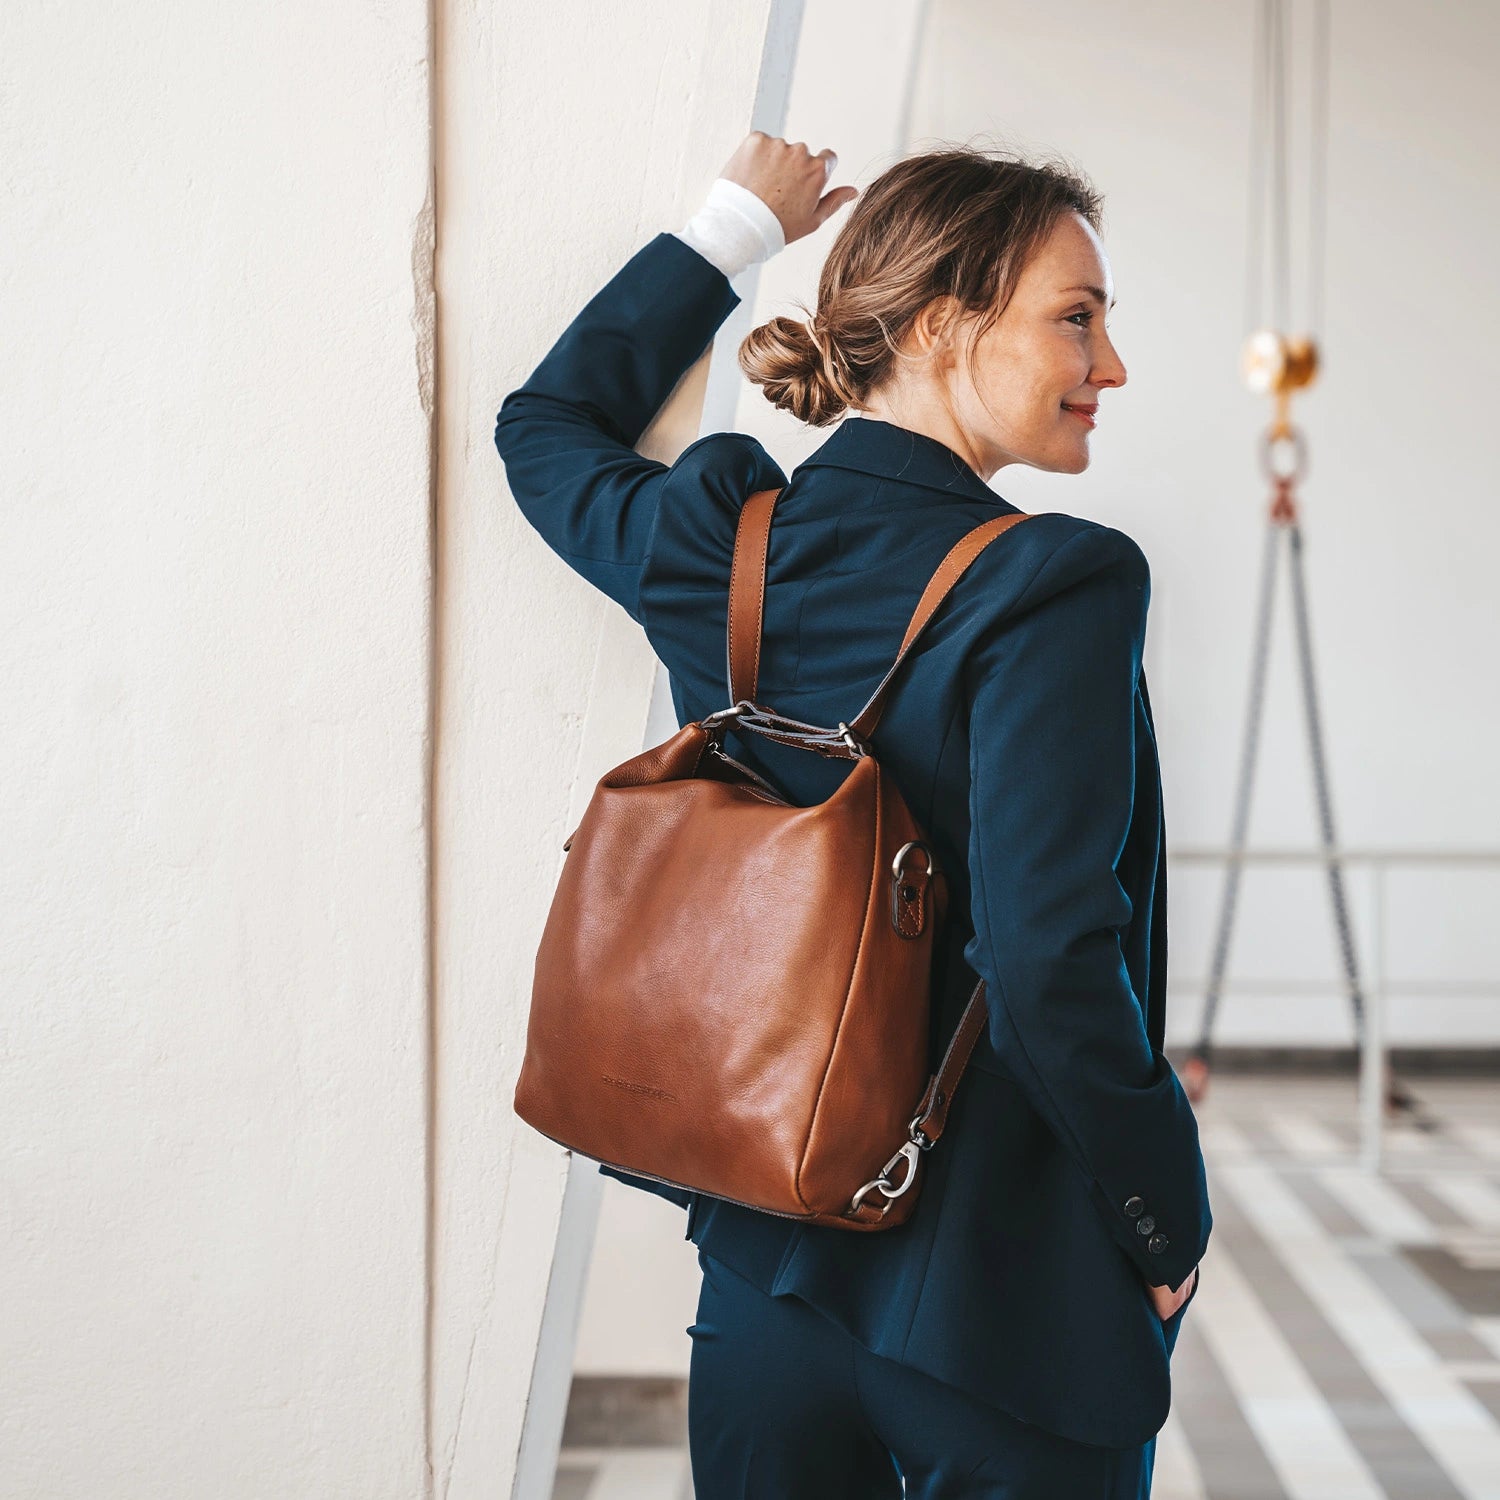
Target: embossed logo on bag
{"x": 638, "y": 1088}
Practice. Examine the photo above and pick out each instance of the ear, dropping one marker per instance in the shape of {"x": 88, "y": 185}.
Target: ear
{"x": 937, "y": 330}
{"x": 932, "y": 327}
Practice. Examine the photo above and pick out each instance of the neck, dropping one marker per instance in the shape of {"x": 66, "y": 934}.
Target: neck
{"x": 926, "y": 413}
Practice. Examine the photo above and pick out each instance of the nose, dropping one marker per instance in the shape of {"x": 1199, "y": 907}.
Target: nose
{"x": 1110, "y": 371}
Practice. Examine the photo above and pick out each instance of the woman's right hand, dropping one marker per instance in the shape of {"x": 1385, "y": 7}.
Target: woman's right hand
{"x": 790, "y": 179}
{"x": 1167, "y": 1301}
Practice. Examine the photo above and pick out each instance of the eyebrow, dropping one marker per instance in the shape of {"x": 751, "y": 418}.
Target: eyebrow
{"x": 1096, "y": 292}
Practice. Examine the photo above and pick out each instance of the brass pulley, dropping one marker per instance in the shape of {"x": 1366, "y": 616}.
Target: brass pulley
{"x": 1276, "y": 365}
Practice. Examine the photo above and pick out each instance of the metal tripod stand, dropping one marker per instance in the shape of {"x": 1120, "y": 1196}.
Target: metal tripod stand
{"x": 1282, "y": 520}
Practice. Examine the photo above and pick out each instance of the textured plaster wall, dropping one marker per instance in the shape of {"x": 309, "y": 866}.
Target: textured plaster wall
{"x": 299, "y": 710}
{"x": 216, "y": 594}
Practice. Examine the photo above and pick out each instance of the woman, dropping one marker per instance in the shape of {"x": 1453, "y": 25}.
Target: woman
{"x": 1014, "y": 1336}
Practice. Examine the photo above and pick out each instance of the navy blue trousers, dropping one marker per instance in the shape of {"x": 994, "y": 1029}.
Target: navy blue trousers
{"x": 783, "y": 1404}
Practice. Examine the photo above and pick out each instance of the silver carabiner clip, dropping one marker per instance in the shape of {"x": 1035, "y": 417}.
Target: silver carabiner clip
{"x": 909, "y": 1153}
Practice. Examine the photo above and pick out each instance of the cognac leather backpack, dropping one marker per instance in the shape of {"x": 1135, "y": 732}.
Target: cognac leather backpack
{"x": 732, "y": 993}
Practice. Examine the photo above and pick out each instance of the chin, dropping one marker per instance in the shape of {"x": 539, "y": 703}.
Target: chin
{"x": 1072, "y": 463}
{"x": 1063, "y": 458}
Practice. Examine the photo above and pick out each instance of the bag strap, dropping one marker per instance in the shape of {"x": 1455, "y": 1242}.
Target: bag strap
{"x": 926, "y": 1126}
{"x": 747, "y": 587}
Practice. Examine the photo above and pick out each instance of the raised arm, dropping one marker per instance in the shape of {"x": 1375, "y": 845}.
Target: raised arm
{"x": 567, "y": 434}
{"x": 1052, "y": 688}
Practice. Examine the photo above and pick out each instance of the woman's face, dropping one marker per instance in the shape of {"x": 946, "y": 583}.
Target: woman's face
{"x": 1048, "y": 351}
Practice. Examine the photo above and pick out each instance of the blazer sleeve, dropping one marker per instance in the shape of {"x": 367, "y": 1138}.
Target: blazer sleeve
{"x": 1051, "y": 685}
{"x": 567, "y": 434}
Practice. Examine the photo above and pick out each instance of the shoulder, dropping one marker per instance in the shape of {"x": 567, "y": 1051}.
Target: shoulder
{"x": 1072, "y": 591}
{"x": 706, "y": 488}
{"x": 1053, "y": 554}
{"x": 724, "y": 462}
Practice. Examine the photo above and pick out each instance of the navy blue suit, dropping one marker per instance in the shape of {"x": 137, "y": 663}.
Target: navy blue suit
{"x": 1020, "y": 732}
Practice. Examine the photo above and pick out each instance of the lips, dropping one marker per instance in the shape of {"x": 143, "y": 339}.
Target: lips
{"x": 1086, "y": 413}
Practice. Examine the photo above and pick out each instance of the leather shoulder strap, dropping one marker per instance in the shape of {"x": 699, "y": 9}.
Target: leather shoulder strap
{"x": 747, "y": 594}
{"x": 747, "y": 589}
{"x": 953, "y": 567}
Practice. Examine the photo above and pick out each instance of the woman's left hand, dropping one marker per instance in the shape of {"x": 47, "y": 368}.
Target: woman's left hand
{"x": 790, "y": 179}
{"x": 1167, "y": 1302}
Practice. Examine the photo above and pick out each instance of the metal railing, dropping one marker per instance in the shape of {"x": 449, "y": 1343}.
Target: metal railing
{"x": 1374, "y": 1060}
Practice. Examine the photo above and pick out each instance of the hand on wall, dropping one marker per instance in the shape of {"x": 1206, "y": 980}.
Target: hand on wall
{"x": 791, "y": 179}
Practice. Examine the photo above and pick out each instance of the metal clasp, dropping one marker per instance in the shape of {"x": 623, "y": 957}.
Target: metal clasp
{"x": 853, "y": 741}
{"x": 907, "y": 1153}
{"x": 711, "y": 721}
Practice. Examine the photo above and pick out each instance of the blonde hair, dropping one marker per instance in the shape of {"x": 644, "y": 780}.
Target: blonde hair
{"x": 958, "y": 221}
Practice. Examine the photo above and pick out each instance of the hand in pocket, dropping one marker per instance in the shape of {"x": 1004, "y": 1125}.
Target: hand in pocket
{"x": 1167, "y": 1301}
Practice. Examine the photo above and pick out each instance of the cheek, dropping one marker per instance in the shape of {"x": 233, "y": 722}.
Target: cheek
{"x": 1034, "y": 377}
{"x": 1024, "y": 382}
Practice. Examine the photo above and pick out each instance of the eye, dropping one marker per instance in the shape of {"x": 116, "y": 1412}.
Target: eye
{"x": 1086, "y": 313}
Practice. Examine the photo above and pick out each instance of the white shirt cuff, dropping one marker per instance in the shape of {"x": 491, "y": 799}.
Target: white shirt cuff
{"x": 734, "y": 228}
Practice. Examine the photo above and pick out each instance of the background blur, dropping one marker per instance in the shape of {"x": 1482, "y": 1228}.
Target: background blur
{"x": 300, "y": 710}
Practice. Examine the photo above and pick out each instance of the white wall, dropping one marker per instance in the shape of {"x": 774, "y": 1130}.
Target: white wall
{"x": 216, "y": 630}
{"x": 274, "y": 1227}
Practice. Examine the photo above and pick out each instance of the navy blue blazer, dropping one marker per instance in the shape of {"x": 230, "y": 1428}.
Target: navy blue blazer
{"x": 1020, "y": 732}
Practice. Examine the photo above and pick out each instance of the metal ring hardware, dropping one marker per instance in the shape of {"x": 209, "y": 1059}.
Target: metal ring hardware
{"x": 902, "y": 852}
{"x": 1269, "y": 450}
{"x": 710, "y": 721}
{"x": 908, "y": 911}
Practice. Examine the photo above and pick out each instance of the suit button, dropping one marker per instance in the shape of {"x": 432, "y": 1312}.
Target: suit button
{"x": 1133, "y": 1206}
{"x": 1157, "y": 1243}
{"x": 1145, "y": 1225}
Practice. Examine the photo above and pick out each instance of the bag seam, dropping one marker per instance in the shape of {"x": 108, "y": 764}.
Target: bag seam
{"x": 859, "y": 949}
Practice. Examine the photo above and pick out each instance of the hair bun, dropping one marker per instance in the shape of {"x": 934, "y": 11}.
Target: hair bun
{"x": 793, "y": 364}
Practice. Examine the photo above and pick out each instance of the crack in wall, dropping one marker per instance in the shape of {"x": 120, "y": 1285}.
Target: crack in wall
{"x": 424, "y": 299}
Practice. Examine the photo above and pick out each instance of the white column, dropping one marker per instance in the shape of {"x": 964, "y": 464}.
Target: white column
{"x": 568, "y": 135}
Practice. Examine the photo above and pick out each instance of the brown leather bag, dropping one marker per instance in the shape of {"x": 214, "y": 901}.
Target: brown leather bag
{"x": 732, "y": 993}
